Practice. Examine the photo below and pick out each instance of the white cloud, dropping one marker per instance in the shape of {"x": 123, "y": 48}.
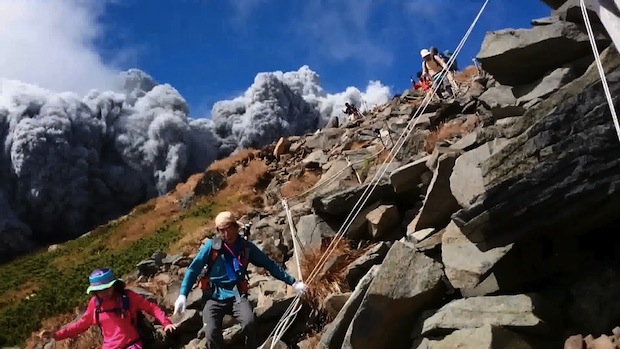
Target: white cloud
{"x": 51, "y": 44}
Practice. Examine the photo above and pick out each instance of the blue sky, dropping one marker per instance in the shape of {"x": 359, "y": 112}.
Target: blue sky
{"x": 212, "y": 49}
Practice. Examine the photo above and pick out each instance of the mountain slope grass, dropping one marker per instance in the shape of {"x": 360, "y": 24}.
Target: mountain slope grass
{"x": 46, "y": 284}
{"x": 49, "y": 287}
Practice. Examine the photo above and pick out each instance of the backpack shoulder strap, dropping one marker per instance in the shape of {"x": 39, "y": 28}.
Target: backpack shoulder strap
{"x": 434, "y": 59}
{"x": 216, "y": 246}
{"x": 124, "y": 300}
{"x": 97, "y": 309}
{"x": 245, "y": 259}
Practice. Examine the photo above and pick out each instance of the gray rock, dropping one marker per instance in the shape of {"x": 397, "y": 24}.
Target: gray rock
{"x": 408, "y": 177}
{"x": 500, "y": 100}
{"x": 466, "y": 180}
{"x": 519, "y": 311}
{"x": 147, "y": 267}
{"x": 315, "y": 159}
{"x": 439, "y": 203}
{"x": 334, "y": 333}
{"x": 406, "y": 284}
{"x": 158, "y": 257}
{"x": 325, "y": 139}
{"x": 189, "y": 321}
{"x": 342, "y": 202}
{"x": 465, "y": 264}
{"x": 571, "y": 11}
{"x": 508, "y": 54}
{"x": 381, "y": 172}
{"x": 311, "y": 229}
{"x": 543, "y": 87}
{"x": 358, "y": 268}
{"x": 334, "y": 302}
{"x": 382, "y": 221}
{"x": 485, "y": 337}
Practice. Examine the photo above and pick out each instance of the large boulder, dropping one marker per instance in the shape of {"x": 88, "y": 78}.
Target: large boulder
{"x": 521, "y": 312}
{"x": 466, "y": 180}
{"x": 465, "y": 264}
{"x": 335, "y": 332}
{"x": 439, "y": 203}
{"x": 343, "y": 201}
{"x": 485, "y": 337}
{"x": 515, "y": 56}
{"x": 406, "y": 284}
{"x": 561, "y": 170}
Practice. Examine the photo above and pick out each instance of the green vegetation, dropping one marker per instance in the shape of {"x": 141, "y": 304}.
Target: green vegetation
{"x": 59, "y": 279}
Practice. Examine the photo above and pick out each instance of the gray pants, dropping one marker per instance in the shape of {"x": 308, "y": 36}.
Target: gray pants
{"x": 213, "y": 315}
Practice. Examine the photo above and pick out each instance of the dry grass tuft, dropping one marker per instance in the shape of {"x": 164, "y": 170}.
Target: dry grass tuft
{"x": 382, "y": 156}
{"x": 466, "y": 74}
{"x": 331, "y": 278}
{"x": 224, "y": 165}
{"x": 313, "y": 340}
{"x": 298, "y": 185}
{"x": 447, "y": 131}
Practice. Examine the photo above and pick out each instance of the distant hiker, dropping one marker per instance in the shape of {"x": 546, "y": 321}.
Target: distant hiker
{"x": 225, "y": 287}
{"x": 115, "y": 310}
{"x": 352, "y": 111}
{"x": 435, "y": 67}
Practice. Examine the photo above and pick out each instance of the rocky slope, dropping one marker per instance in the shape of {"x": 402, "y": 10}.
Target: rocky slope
{"x": 489, "y": 229}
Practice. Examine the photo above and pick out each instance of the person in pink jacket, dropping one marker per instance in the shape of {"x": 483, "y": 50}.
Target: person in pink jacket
{"x": 117, "y": 324}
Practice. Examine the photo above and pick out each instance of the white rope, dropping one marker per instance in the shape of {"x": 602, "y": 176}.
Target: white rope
{"x": 335, "y": 176}
{"x": 289, "y": 315}
{"x": 400, "y": 142}
{"x": 599, "y": 66}
{"x": 379, "y": 174}
{"x": 296, "y": 242}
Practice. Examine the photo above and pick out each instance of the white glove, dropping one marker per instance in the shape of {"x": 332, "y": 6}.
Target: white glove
{"x": 179, "y": 305}
{"x": 300, "y": 287}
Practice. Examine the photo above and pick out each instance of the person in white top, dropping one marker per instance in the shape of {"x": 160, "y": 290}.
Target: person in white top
{"x": 434, "y": 67}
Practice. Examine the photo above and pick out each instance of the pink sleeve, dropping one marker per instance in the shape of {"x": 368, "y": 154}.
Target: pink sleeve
{"x": 143, "y": 304}
{"x": 79, "y": 326}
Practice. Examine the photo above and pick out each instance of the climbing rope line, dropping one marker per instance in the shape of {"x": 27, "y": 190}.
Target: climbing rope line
{"x": 291, "y": 312}
{"x": 335, "y": 176}
{"x": 599, "y": 66}
{"x": 400, "y": 142}
{"x": 377, "y": 177}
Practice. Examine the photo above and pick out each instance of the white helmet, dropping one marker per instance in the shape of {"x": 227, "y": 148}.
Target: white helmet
{"x": 424, "y": 52}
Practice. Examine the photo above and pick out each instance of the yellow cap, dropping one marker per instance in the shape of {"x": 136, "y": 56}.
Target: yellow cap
{"x": 225, "y": 218}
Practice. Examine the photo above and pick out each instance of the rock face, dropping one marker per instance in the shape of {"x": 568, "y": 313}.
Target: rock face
{"x": 406, "y": 283}
{"x": 569, "y": 155}
{"x": 509, "y": 54}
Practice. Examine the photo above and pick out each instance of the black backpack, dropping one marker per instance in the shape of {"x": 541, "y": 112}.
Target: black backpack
{"x": 149, "y": 335}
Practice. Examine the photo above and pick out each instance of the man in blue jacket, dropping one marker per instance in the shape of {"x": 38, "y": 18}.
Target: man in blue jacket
{"x": 227, "y": 257}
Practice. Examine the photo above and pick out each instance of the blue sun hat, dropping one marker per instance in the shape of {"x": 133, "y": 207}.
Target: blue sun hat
{"x": 100, "y": 279}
